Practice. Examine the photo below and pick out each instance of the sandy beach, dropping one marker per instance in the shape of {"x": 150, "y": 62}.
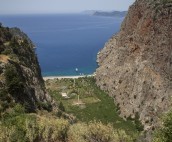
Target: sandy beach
{"x": 71, "y": 77}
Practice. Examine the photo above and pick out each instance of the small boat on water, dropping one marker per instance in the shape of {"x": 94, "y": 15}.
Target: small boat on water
{"x": 76, "y": 69}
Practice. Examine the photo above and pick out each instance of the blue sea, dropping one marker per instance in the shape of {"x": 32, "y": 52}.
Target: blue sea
{"x": 65, "y": 42}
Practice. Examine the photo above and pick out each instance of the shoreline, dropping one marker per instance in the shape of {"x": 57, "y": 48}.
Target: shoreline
{"x": 67, "y": 77}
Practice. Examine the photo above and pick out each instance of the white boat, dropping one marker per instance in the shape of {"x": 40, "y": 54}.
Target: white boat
{"x": 76, "y": 69}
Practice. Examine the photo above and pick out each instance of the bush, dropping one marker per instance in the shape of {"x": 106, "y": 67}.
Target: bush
{"x": 7, "y": 51}
{"x": 31, "y": 128}
{"x": 77, "y": 132}
{"x": 9, "y": 116}
{"x": 21, "y": 127}
{"x": 96, "y": 132}
{"x": 44, "y": 105}
{"x": 166, "y": 1}
{"x": 137, "y": 122}
{"x": 61, "y": 107}
{"x": 52, "y": 129}
{"x": 164, "y": 134}
{"x": 13, "y": 81}
{"x": 5, "y": 100}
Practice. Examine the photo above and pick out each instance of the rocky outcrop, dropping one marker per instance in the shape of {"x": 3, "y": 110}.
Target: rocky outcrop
{"x": 20, "y": 74}
{"x": 135, "y": 66}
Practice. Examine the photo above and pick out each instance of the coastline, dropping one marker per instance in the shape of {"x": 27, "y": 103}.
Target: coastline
{"x": 68, "y": 77}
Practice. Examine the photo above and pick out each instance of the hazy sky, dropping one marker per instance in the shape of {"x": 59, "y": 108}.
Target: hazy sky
{"x": 60, "y": 6}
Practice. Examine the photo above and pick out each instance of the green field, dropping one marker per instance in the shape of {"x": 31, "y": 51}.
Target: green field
{"x": 94, "y": 104}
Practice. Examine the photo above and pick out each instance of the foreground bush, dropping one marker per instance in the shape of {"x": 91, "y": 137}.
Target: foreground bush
{"x": 17, "y": 126}
{"x": 164, "y": 134}
{"x": 31, "y": 128}
{"x": 96, "y": 132}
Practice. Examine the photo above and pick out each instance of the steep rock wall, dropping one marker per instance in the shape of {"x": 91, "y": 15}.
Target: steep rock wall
{"x": 135, "y": 66}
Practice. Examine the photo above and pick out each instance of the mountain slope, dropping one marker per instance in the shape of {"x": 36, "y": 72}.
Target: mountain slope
{"x": 20, "y": 75}
{"x": 135, "y": 66}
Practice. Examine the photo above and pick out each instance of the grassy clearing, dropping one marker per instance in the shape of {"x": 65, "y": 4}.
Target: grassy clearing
{"x": 96, "y": 104}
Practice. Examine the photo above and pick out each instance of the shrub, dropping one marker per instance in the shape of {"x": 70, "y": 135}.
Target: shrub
{"x": 61, "y": 107}
{"x": 77, "y": 132}
{"x": 45, "y": 105}
{"x": 13, "y": 81}
{"x": 166, "y": 1}
{"x": 7, "y": 51}
{"x": 164, "y": 134}
{"x": 52, "y": 129}
{"x": 96, "y": 132}
{"x": 61, "y": 110}
{"x": 31, "y": 128}
{"x": 5, "y": 100}
{"x": 137, "y": 122}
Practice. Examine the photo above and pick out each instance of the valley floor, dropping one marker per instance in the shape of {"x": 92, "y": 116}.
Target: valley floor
{"x": 82, "y": 98}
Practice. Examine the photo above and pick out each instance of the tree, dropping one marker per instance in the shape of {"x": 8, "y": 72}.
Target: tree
{"x": 61, "y": 107}
{"x": 13, "y": 81}
{"x": 138, "y": 124}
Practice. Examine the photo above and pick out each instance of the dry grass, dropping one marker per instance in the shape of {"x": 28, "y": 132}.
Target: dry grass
{"x": 4, "y": 58}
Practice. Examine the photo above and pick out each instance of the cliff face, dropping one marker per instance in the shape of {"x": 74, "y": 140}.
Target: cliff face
{"x": 20, "y": 75}
{"x": 135, "y": 66}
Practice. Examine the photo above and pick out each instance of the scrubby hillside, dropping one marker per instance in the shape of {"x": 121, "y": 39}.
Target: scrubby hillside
{"x": 135, "y": 66}
{"x": 20, "y": 75}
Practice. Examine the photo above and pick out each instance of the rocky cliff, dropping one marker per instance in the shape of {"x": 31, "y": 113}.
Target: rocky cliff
{"x": 135, "y": 66}
{"x": 20, "y": 75}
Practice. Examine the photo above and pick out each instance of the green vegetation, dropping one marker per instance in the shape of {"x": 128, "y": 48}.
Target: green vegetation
{"x": 166, "y": 1}
{"x": 33, "y": 128}
{"x": 159, "y": 4}
{"x": 164, "y": 134}
{"x": 93, "y": 103}
{"x": 13, "y": 81}
{"x": 96, "y": 132}
{"x": 17, "y": 126}
{"x": 138, "y": 124}
{"x": 13, "y": 89}
{"x": 61, "y": 107}
{"x": 97, "y": 115}
{"x": 16, "y": 83}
